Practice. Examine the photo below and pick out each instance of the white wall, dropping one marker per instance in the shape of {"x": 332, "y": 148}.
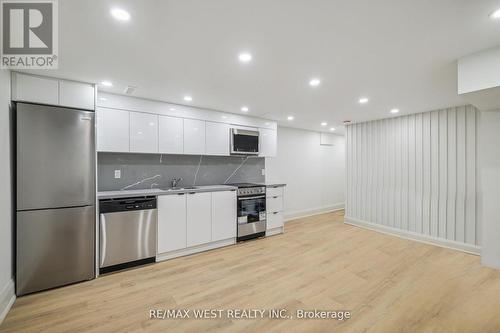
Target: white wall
{"x": 314, "y": 174}
{"x": 416, "y": 174}
{"x": 6, "y": 282}
{"x": 489, "y": 180}
{"x": 479, "y": 71}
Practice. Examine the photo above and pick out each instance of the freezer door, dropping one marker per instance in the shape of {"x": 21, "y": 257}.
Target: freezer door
{"x": 55, "y": 157}
{"x": 55, "y": 247}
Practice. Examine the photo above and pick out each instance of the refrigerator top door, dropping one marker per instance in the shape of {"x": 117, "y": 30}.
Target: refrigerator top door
{"x": 55, "y": 157}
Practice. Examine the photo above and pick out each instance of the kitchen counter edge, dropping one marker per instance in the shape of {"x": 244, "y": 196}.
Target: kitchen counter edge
{"x": 156, "y": 192}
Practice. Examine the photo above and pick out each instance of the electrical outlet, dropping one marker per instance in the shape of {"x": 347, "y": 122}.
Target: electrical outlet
{"x": 118, "y": 174}
{"x": 263, "y": 171}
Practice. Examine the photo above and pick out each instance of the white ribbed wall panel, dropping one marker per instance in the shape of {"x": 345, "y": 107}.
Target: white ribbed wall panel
{"x": 415, "y": 174}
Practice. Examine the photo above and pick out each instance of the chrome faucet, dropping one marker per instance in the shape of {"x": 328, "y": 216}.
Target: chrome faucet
{"x": 175, "y": 182}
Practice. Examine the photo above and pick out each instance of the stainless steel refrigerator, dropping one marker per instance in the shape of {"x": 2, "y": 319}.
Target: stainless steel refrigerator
{"x": 55, "y": 196}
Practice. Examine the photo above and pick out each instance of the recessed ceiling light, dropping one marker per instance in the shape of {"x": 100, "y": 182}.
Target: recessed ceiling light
{"x": 224, "y": 117}
{"x": 244, "y": 109}
{"x": 188, "y": 98}
{"x": 332, "y": 129}
{"x": 107, "y": 83}
{"x": 394, "y": 111}
{"x": 363, "y": 100}
{"x": 120, "y": 14}
{"x": 172, "y": 109}
{"x": 314, "y": 82}
{"x": 290, "y": 118}
{"x": 245, "y": 57}
{"x": 495, "y": 15}
{"x": 324, "y": 123}
{"x": 103, "y": 98}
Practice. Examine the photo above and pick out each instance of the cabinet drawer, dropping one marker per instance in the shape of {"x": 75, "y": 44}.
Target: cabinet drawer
{"x": 274, "y": 191}
{"x": 274, "y": 220}
{"x": 274, "y": 204}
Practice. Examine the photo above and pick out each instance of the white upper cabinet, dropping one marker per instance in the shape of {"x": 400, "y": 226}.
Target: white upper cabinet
{"x": 171, "y": 135}
{"x": 36, "y": 89}
{"x": 46, "y": 90}
{"x": 268, "y": 142}
{"x": 217, "y": 139}
{"x": 143, "y": 132}
{"x": 224, "y": 215}
{"x": 194, "y": 136}
{"x": 171, "y": 223}
{"x": 199, "y": 218}
{"x": 76, "y": 95}
{"x": 113, "y": 130}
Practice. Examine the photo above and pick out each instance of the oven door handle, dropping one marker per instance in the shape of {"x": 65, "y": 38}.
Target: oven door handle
{"x": 256, "y": 197}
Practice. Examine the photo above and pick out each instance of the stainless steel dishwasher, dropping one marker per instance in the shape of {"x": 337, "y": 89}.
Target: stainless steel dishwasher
{"x": 127, "y": 232}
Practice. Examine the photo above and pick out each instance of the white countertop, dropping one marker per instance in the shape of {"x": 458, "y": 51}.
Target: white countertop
{"x": 273, "y": 184}
{"x": 156, "y": 191}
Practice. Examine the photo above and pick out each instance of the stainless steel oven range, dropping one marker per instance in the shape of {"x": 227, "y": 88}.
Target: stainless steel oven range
{"x": 251, "y": 211}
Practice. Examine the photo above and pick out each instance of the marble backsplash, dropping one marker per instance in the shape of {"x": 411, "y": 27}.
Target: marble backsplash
{"x": 143, "y": 171}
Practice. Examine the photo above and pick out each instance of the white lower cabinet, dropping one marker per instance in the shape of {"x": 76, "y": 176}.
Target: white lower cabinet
{"x": 274, "y": 209}
{"x": 224, "y": 215}
{"x": 274, "y": 220}
{"x": 172, "y": 223}
{"x": 199, "y": 218}
{"x": 195, "y": 222}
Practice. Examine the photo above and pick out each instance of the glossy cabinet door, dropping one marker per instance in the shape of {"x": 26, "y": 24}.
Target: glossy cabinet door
{"x": 224, "y": 217}
{"x": 113, "y": 130}
{"x": 194, "y": 136}
{"x": 199, "y": 218}
{"x": 143, "y": 132}
{"x": 217, "y": 138}
{"x": 76, "y": 95}
{"x": 274, "y": 220}
{"x": 171, "y": 222}
{"x": 35, "y": 89}
{"x": 171, "y": 135}
{"x": 268, "y": 142}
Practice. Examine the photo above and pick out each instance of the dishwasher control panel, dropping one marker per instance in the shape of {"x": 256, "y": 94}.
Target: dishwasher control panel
{"x": 126, "y": 204}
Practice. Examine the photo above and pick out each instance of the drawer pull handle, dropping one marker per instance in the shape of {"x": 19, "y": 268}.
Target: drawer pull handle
{"x": 275, "y": 197}
{"x": 275, "y": 212}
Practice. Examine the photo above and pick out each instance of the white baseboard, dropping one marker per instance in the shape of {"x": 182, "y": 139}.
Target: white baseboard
{"x": 7, "y": 299}
{"x": 195, "y": 249}
{"x": 449, "y": 244}
{"x": 289, "y": 216}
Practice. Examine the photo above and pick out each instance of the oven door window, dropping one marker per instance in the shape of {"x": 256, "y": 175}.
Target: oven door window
{"x": 245, "y": 143}
{"x": 251, "y": 210}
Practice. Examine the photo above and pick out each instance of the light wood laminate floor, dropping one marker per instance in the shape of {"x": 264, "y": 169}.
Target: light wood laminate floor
{"x": 389, "y": 284}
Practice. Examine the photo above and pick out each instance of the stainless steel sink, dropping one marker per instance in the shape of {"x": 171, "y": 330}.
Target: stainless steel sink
{"x": 180, "y": 188}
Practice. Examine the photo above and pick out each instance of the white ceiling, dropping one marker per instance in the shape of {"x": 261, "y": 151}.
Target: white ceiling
{"x": 399, "y": 53}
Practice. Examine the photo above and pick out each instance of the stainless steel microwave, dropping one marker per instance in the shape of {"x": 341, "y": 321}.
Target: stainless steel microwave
{"x": 244, "y": 142}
